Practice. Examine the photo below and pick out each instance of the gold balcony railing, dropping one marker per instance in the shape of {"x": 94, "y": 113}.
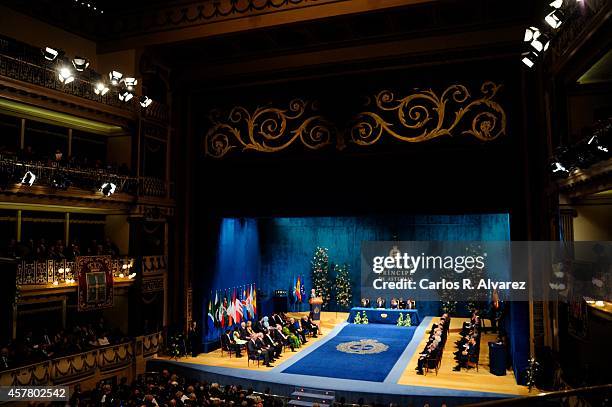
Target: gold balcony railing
{"x": 91, "y": 364}
{"x": 56, "y": 272}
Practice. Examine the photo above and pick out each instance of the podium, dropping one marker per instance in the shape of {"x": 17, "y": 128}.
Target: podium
{"x": 497, "y": 359}
{"x": 315, "y": 308}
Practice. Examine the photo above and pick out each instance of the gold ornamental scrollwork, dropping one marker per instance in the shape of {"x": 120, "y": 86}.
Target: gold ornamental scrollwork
{"x": 423, "y": 116}
{"x": 267, "y": 129}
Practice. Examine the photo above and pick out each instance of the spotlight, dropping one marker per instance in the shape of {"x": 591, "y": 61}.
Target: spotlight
{"x": 130, "y": 83}
{"x": 108, "y": 188}
{"x": 145, "y": 101}
{"x": 50, "y": 54}
{"x": 599, "y": 148}
{"x": 537, "y": 40}
{"x": 556, "y": 4}
{"x": 131, "y": 276}
{"x": 553, "y": 19}
{"x": 101, "y": 89}
{"x": 65, "y": 75}
{"x": 115, "y": 77}
{"x": 80, "y": 64}
{"x": 126, "y": 96}
{"x": 28, "y": 178}
{"x": 529, "y": 58}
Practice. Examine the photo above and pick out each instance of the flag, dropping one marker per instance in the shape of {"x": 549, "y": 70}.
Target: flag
{"x": 249, "y": 302}
{"x": 254, "y": 295}
{"x": 230, "y": 309}
{"x": 245, "y": 310}
{"x": 292, "y": 290}
{"x": 211, "y": 318}
{"x": 302, "y": 291}
{"x": 216, "y": 309}
{"x": 238, "y": 307}
{"x": 223, "y": 312}
{"x": 298, "y": 292}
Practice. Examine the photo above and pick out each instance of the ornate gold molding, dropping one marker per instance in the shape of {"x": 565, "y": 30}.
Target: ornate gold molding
{"x": 267, "y": 129}
{"x": 418, "y": 117}
{"x": 423, "y": 115}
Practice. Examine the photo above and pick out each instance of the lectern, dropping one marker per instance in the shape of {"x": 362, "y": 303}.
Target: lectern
{"x": 315, "y": 308}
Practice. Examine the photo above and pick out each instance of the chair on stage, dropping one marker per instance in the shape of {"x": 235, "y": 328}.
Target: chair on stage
{"x": 251, "y": 357}
{"x": 224, "y": 347}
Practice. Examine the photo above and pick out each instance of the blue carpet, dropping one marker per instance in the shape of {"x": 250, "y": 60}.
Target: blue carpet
{"x": 373, "y": 365}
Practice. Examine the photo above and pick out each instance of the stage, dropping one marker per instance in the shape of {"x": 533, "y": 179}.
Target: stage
{"x": 377, "y": 376}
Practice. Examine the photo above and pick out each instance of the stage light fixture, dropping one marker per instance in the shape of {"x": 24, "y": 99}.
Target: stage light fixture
{"x": 145, "y": 101}
{"x": 131, "y": 276}
{"x": 130, "y": 83}
{"x": 115, "y": 77}
{"x": 80, "y": 64}
{"x": 553, "y": 19}
{"x": 108, "y": 188}
{"x": 125, "y": 96}
{"x": 101, "y": 89}
{"x": 529, "y": 58}
{"x": 50, "y": 54}
{"x": 28, "y": 178}
{"x": 65, "y": 75}
{"x": 556, "y": 4}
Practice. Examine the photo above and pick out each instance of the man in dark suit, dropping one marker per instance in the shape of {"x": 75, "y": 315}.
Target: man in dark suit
{"x": 255, "y": 351}
{"x": 230, "y": 344}
{"x": 274, "y": 346}
{"x": 263, "y": 346}
{"x": 466, "y": 355}
{"x": 309, "y": 326}
{"x": 277, "y": 319}
{"x": 380, "y": 303}
{"x": 365, "y": 302}
{"x": 280, "y": 337}
{"x": 258, "y": 326}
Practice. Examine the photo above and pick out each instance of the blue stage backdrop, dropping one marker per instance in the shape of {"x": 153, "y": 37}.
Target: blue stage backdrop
{"x": 272, "y": 252}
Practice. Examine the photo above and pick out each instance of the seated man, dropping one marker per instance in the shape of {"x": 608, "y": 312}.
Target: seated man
{"x": 401, "y": 304}
{"x": 229, "y": 344}
{"x": 249, "y": 328}
{"x": 275, "y": 347}
{"x": 410, "y": 304}
{"x": 431, "y": 352}
{"x": 380, "y": 303}
{"x": 309, "y": 327}
{"x": 259, "y": 340}
{"x": 277, "y": 319}
{"x": 242, "y": 331}
{"x": 394, "y": 303}
{"x": 256, "y": 353}
{"x": 365, "y": 302}
{"x": 465, "y": 355}
{"x": 279, "y": 336}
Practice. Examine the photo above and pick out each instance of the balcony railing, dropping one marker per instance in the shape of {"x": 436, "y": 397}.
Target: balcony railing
{"x": 72, "y": 368}
{"x": 56, "y": 272}
{"x": 12, "y": 171}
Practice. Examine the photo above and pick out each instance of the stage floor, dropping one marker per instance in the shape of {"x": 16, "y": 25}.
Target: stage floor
{"x": 401, "y": 379}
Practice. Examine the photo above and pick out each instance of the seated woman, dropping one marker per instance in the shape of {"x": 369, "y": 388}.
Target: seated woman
{"x": 365, "y": 302}
{"x": 293, "y": 339}
{"x": 394, "y": 303}
{"x": 380, "y": 303}
{"x": 237, "y": 339}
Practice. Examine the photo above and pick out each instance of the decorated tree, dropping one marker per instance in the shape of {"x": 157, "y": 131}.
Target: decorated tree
{"x": 344, "y": 294}
{"x": 476, "y": 298}
{"x": 321, "y": 281}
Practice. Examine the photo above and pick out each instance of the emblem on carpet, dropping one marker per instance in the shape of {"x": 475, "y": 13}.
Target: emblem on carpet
{"x": 362, "y": 347}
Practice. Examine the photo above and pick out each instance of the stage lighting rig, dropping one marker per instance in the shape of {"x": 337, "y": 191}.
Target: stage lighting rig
{"x": 130, "y": 83}
{"x": 80, "y": 63}
{"x": 28, "y": 178}
{"x": 101, "y": 89}
{"x": 125, "y": 96}
{"x": 65, "y": 75}
{"x": 50, "y": 54}
{"x": 115, "y": 77}
{"x": 145, "y": 101}
{"x": 108, "y": 188}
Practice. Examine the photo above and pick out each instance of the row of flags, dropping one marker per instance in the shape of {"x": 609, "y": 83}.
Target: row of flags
{"x": 232, "y": 306}
{"x": 298, "y": 292}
